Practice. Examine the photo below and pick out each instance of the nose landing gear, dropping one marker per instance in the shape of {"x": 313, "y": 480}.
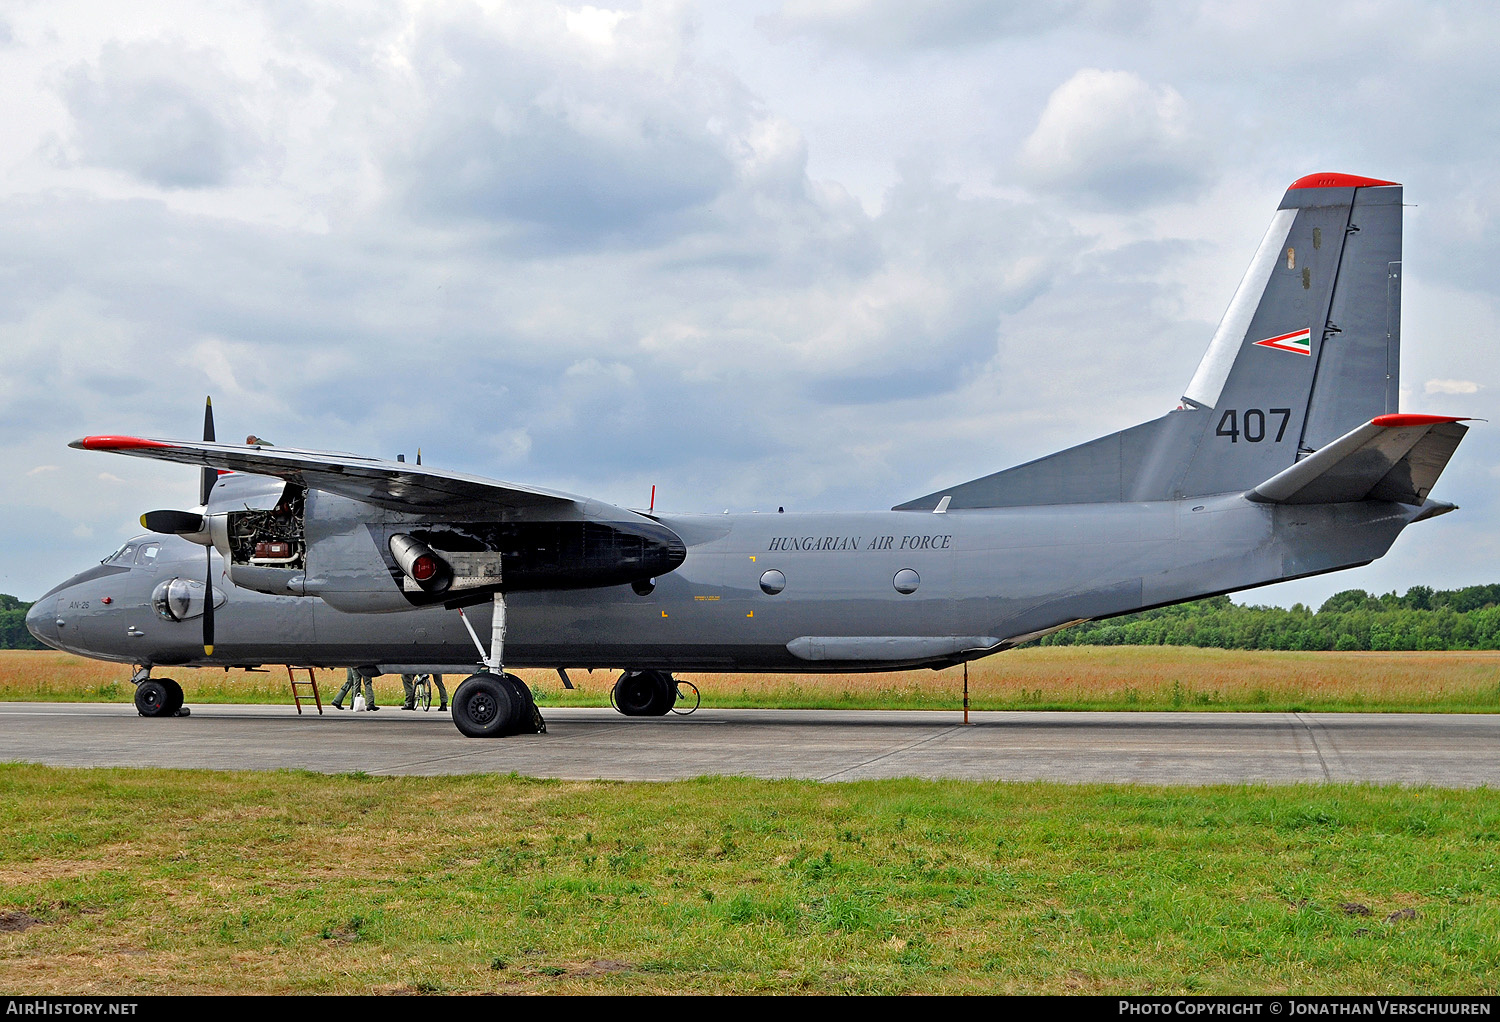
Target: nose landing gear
{"x": 157, "y": 697}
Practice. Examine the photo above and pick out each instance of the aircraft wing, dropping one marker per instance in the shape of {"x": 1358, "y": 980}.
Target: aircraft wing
{"x": 1391, "y": 457}
{"x": 394, "y": 485}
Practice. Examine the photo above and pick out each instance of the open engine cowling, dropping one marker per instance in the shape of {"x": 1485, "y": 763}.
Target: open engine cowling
{"x": 363, "y": 559}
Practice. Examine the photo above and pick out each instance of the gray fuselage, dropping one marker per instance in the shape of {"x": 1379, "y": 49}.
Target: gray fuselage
{"x": 986, "y": 580}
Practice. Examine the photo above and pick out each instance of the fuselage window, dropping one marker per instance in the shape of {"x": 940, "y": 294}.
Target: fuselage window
{"x": 124, "y": 555}
{"x": 906, "y": 581}
{"x": 772, "y": 582}
{"x": 148, "y": 553}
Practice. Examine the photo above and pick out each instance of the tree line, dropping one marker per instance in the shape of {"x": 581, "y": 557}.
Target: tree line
{"x": 13, "y": 633}
{"x": 1421, "y": 618}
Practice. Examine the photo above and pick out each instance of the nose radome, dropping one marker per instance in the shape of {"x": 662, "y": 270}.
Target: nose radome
{"x": 41, "y": 622}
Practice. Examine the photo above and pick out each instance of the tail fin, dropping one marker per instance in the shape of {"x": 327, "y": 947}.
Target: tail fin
{"x": 1308, "y": 350}
{"x": 1310, "y": 347}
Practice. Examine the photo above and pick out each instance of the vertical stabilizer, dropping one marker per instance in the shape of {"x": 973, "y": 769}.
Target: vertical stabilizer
{"x": 1310, "y": 346}
{"x": 1308, "y": 350}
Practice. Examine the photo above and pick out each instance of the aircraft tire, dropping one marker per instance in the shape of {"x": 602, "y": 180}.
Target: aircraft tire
{"x": 486, "y": 706}
{"x": 175, "y": 696}
{"x": 151, "y": 699}
{"x": 528, "y": 718}
{"x": 644, "y": 694}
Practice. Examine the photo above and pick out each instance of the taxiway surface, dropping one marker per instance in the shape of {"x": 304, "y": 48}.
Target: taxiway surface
{"x": 1444, "y": 750}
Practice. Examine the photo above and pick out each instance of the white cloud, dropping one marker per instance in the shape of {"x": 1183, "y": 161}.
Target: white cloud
{"x": 883, "y": 26}
{"x": 594, "y": 24}
{"x": 1113, "y": 138}
{"x": 1451, "y": 387}
{"x": 166, "y": 113}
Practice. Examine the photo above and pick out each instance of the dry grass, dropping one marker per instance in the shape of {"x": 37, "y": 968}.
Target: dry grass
{"x": 1055, "y": 677}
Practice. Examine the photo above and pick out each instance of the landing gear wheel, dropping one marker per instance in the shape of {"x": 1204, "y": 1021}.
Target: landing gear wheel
{"x": 484, "y": 707}
{"x": 174, "y": 696}
{"x": 530, "y": 719}
{"x": 644, "y": 693}
{"x": 151, "y": 699}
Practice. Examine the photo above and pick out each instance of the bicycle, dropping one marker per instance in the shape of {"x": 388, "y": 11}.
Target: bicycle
{"x": 421, "y": 692}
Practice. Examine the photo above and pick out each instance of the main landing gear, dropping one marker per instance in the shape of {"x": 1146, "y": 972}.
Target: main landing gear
{"x": 652, "y": 694}
{"x": 492, "y": 703}
{"x": 157, "y": 697}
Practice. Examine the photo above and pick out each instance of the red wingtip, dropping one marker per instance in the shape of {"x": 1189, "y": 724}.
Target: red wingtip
{"x": 116, "y": 443}
{"x": 1399, "y": 420}
{"x": 1338, "y": 181}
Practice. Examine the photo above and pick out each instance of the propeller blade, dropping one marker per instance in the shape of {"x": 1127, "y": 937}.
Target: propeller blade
{"x": 208, "y": 606}
{"x": 209, "y": 475}
{"x": 173, "y": 523}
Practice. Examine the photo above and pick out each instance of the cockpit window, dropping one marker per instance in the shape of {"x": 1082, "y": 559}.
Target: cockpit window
{"x": 124, "y": 555}
{"x": 148, "y": 552}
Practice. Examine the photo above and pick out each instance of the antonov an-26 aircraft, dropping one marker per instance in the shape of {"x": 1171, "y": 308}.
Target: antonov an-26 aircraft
{"x": 1286, "y": 457}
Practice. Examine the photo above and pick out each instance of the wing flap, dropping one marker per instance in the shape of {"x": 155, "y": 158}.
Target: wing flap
{"x": 1391, "y": 457}
{"x": 394, "y": 485}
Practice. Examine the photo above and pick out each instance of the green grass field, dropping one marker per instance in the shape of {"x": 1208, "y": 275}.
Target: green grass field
{"x": 135, "y": 881}
{"x": 1046, "y": 678}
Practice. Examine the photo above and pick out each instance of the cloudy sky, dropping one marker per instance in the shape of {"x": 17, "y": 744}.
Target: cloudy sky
{"x": 828, "y": 255}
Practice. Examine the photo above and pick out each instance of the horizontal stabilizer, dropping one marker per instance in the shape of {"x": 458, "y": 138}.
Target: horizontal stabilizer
{"x": 395, "y": 485}
{"x": 1391, "y": 457}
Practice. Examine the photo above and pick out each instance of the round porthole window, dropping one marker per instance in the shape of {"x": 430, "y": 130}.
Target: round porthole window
{"x": 643, "y": 586}
{"x": 772, "y": 582}
{"x": 906, "y": 581}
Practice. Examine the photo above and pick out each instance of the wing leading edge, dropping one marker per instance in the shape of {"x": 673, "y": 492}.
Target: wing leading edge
{"x": 394, "y": 485}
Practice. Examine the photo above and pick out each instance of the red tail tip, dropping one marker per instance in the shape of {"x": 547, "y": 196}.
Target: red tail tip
{"x": 1338, "y": 181}
{"x": 1399, "y": 420}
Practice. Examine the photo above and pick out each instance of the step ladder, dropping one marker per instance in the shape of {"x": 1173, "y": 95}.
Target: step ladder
{"x": 297, "y": 686}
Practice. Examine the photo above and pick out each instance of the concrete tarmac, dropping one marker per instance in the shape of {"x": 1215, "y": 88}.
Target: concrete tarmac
{"x": 1443, "y": 750}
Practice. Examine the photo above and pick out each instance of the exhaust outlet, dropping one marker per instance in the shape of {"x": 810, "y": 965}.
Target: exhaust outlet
{"x": 421, "y": 564}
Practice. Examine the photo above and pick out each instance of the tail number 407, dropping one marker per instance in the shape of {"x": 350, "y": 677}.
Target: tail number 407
{"x": 1251, "y": 424}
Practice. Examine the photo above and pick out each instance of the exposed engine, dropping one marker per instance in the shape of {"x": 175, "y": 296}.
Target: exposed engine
{"x": 275, "y": 539}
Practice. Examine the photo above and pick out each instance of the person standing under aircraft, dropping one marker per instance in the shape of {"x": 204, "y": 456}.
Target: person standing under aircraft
{"x": 351, "y": 687}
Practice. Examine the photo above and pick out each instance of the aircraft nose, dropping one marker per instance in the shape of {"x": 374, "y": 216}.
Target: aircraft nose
{"x": 41, "y": 621}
